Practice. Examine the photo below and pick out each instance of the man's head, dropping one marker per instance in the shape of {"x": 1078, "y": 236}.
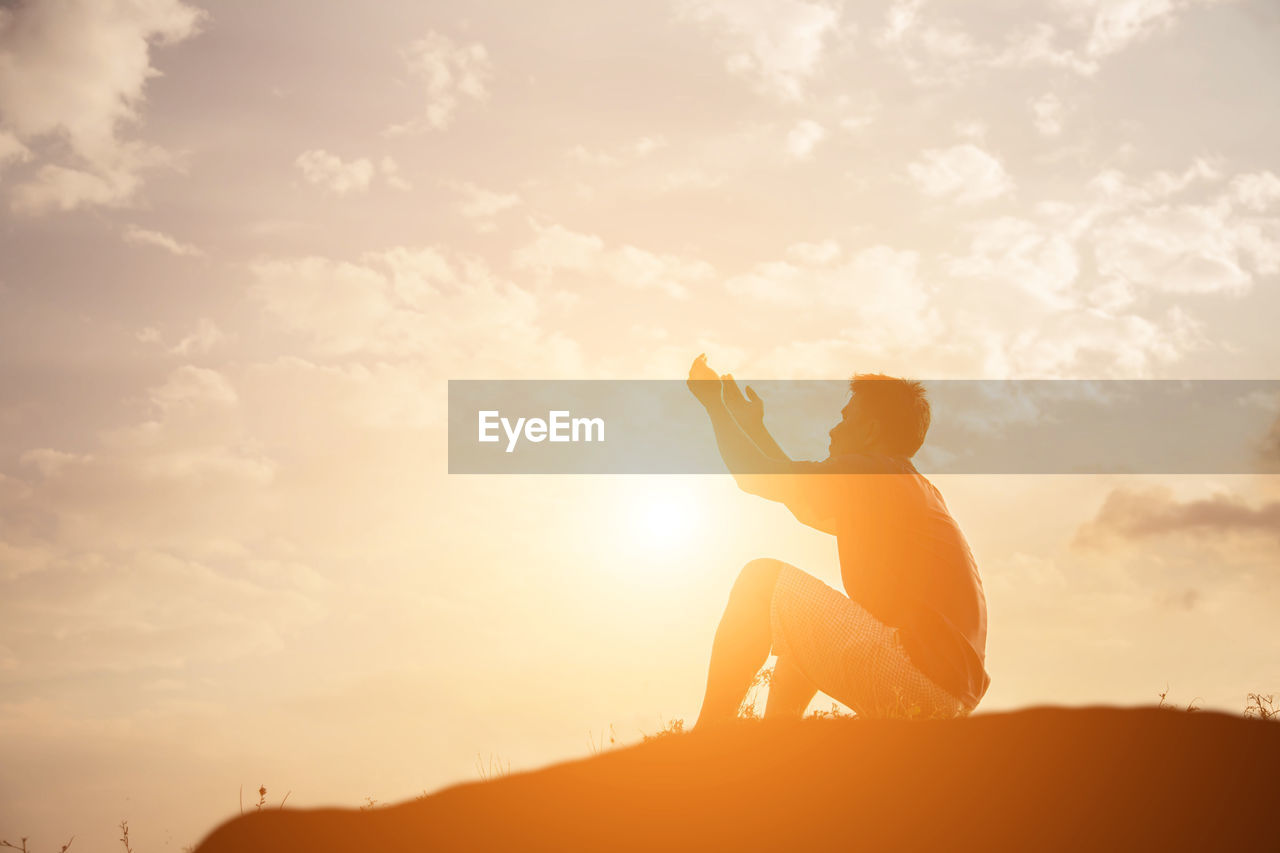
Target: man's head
{"x": 883, "y": 415}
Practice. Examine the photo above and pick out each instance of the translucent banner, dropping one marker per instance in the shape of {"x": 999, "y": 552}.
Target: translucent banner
{"x": 978, "y": 426}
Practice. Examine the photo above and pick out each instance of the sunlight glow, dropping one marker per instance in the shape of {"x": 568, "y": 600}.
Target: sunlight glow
{"x": 663, "y": 517}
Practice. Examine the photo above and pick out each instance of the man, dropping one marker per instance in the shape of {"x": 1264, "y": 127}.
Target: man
{"x": 909, "y": 639}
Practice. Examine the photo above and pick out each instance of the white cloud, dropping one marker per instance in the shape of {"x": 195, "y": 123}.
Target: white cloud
{"x": 1256, "y": 190}
{"x": 412, "y": 303}
{"x": 1076, "y": 35}
{"x": 1047, "y": 112}
{"x": 391, "y": 174}
{"x": 61, "y": 188}
{"x": 50, "y": 462}
{"x": 924, "y": 45}
{"x": 12, "y": 150}
{"x": 557, "y": 249}
{"x": 1180, "y": 249}
{"x": 777, "y": 43}
{"x": 1118, "y": 23}
{"x": 636, "y": 150}
{"x": 878, "y": 287}
{"x": 646, "y": 145}
{"x": 1140, "y": 237}
{"x": 803, "y": 138}
{"x": 189, "y": 387}
{"x": 814, "y": 254}
{"x": 329, "y": 171}
{"x": 1094, "y": 343}
{"x": 203, "y": 338}
{"x": 76, "y": 72}
{"x": 482, "y": 205}
{"x": 144, "y": 237}
{"x": 1019, "y": 253}
{"x": 964, "y": 173}
{"x": 450, "y": 74}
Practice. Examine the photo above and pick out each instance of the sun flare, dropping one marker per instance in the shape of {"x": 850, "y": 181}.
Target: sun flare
{"x": 663, "y": 517}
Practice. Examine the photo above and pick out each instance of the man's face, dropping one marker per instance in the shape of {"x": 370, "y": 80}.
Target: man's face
{"x": 855, "y": 433}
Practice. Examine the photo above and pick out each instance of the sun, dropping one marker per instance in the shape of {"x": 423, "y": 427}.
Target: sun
{"x": 662, "y": 516}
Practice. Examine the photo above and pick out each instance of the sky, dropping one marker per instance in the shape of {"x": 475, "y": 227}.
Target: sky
{"x": 243, "y": 247}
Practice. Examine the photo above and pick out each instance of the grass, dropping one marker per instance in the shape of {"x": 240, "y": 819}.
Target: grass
{"x": 1258, "y": 705}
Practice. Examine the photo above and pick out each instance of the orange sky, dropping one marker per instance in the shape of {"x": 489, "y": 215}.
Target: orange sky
{"x": 244, "y": 246}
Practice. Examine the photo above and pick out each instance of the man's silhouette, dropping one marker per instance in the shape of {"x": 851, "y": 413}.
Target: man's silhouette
{"x": 909, "y": 639}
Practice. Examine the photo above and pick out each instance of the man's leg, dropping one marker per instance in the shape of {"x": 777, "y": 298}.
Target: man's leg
{"x": 742, "y": 642}
{"x": 790, "y": 691}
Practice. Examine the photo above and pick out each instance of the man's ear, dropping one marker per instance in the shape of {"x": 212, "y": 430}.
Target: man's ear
{"x": 873, "y": 432}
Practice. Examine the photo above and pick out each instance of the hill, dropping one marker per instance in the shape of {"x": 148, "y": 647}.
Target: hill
{"x": 1046, "y": 778}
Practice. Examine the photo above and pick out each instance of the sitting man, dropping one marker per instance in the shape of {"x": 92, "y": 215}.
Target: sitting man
{"x": 909, "y": 639}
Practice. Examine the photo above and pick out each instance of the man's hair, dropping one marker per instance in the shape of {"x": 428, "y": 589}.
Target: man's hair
{"x": 898, "y": 405}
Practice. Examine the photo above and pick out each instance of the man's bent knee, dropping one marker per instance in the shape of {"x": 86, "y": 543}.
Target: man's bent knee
{"x": 757, "y": 578}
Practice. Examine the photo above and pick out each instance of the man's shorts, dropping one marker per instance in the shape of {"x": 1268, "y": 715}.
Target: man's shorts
{"x": 849, "y": 654}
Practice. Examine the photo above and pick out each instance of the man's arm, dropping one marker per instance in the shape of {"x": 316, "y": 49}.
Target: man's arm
{"x": 748, "y": 411}
{"x": 742, "y": 439}
{"x": 740, "y": 453}
{"x": 754, "y": 471}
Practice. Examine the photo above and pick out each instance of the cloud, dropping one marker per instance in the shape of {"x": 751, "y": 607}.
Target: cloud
{"x": 391, "y": 174}
{"x": 450, "y": 74}
{"x": 481, "y": 205}
{"x": 930, "y": 49}
{"x": 1019, "y": 253}
{"x": 1047, "y": 110}
{"x": 1100, "y": 344}
{"x": 143, "y": 237}
{"x": 411, "y": 303}
{"x": 203, "y": 338}
{"x": 1074, "y": 35}
{"x": 1118, "y": 23}
{"x": 1256, "y": 191}
{"x": 72, "y": 74}
{"x": 814, "y": 254}
{"x": 1153, "y": 243}
{"x": 50, "y": 462}
{"x": 637, "y": 150}
{"x": 878, "y": 289}
{"x": 1125, "y": 238}
{"x": 327, "y": 170}
{"x": 803, "y": 138}
{"x": 964, "y": 173}
{"x": 1136, "y": 514}
{"x": 778, "y": 44}
{"x": 556, "y": 249}
{"x": 12, "y": 150}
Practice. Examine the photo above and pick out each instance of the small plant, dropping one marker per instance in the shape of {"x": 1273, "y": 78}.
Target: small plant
{"x": 497, "y": 767}
{"x": 596, "y": 747}
{"x": 262, "y": 798}
{"x": 124, "y": 836}
{"x": 1191, "y": 706}
{"x": 747, "y": 710}
{"x": 675, "y": 727}
{"x": 1262, "y": 707}
{"x": 369, "y": 803}
{"x": 23, "y": 845}
{"x": 834, "y": 713}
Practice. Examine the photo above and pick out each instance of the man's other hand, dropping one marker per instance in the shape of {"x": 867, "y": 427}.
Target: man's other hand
{"x": 703, "y": 381}
{"x": 748, "y": 411}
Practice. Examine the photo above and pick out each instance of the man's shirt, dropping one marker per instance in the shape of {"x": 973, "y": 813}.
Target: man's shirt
{"x": 902, "y": 557}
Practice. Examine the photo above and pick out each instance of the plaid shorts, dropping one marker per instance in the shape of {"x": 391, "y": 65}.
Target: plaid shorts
{"x": 849, "y": 654}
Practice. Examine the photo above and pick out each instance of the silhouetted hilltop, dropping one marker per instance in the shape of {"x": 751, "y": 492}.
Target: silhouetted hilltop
{"x": 1045, "y": 778}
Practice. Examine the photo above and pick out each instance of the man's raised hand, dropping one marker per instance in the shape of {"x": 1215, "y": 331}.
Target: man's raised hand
{"x": 747, "y": 411}
{"x": 703, "y": 381}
